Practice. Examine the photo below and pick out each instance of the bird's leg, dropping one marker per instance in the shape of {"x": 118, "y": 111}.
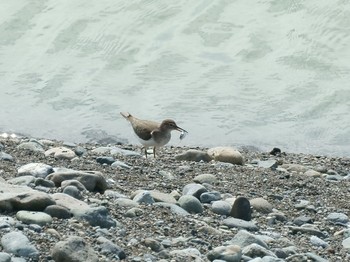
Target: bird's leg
{"x": 145, "y": 151}
{"x": 154, "y": 152}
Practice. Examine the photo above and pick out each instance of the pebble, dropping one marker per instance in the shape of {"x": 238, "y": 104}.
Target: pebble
{"x": 105, "y": 160}
{"x": 226, "y": 154}
{"x": 144, "y": 198}
{"x": 229, "y": 253}
{"x": 208, "y": 197}
{"x": 72, "y": 191}
{"x": 30, "y": 217}
{"x": 206, "y": 179}
{"x": 61, "y": 153}
{"x": 33, "y": 146}
{"x": 6, "y": 157}
{"x": 74, "y": 248}
{"x": 239, "y": 223}
{"x": 35, "y": 169}
{"x": 191, "y": 204}
{"x": 120, "y": 164}
{"x": 261, "y": 205}
{"x": 194, "y": 155}
{"x": 244, "y": 238}
{"x": 18, "y": 244}
{"x": 318, "y": 242}
{"x": 221, "y": 208}
{"x": 338, "y": 218}
{"x": 194, "y": 190}
{"x": 241, "y": 209}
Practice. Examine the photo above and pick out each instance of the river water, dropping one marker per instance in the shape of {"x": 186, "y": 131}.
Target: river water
{"x": 257, "y": 73}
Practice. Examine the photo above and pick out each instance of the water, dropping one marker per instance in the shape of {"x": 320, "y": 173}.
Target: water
{"x": 261, "y": 73}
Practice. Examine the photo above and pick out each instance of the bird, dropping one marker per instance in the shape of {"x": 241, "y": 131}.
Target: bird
{"x": 151, "y": 133}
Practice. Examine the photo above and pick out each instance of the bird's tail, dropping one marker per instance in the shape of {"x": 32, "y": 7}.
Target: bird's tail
{"x": 126, "y": 115}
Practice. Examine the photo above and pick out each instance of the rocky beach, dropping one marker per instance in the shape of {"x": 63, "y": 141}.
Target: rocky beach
{"x": 62, "y": 201}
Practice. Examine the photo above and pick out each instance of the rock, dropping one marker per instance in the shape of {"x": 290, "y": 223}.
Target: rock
{"x": 70, "y": 203}
{"x": 221, "y": 208}
{"x": 144, "y": 197}
{"x": 134, "y": 212}
{"x": 239, "y": 223}
{"x": 120, "y": 164}
{"x": 6, "y": 157}
{"x": 271, "y": 163}
{"x": 275, "y": 151}
{"x": 302, "y": 204}
{"x": 80, "y": 151}
{"x": 194, "y": 190}
{"x": 109, "y": 248}
{"x": 4, "y": 257}
{"x": 226, "y": 154}
{"x": 312, "y": 173}
{"x": 43, "y": 182}
{"x": 153, "y": 244}
{"x": 346, "y": 243}
{"x": 261, "y": 205}
{"x": 183, "y": 254}
{"x": 74, "y": 249}
{"x": 33, "y": 146}
{"x": 255, "y": 250}
{"x": 208, "y": 197}
{"x": 35, "y": 170}
{"x": 175, "y": 209}
{"x": 295, "y": 168}
{"x": 206, "y": 179}
{"x": 302, "y": 220}
{"x": 30, "y": 217}
{"x": 191, "y": 204}
{"x": 23, "y": 198}
{"x": 92, "y": 180}
{"x": 307, "y": 230}
{"x": 61, "y": 153}
{"x": 338, "y": 218}
{"x": 125, "y": 202}
{"x": 162, "y": 197}
{"x": 105, "y": 160}
{"x": 74, "y": 183}
{"x": 230, "y": 253}
{"x": 243, "y": 238}
{"x": 18, "y": 244}
{"x": 73, "y": 192}
{"x": 194, "y": 155}
{"x": 22, "y": 181}
{"x": 96, "y": 216}
{"x": 58, "y": 211}
{"x": 318, "y": 242}
{"x": 241, "y": 209}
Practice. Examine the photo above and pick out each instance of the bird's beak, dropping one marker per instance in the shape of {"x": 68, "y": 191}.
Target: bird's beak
{"x": 181, "y": 129}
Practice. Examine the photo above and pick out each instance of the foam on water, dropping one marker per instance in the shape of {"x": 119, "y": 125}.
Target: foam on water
{"x": 268, "y": 73}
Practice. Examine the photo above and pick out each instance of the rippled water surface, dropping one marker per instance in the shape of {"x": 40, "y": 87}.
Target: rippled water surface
{"x": 261, "y": 73}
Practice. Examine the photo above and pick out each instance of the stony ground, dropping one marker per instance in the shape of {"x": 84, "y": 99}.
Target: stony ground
{"x": 284, "y": 189}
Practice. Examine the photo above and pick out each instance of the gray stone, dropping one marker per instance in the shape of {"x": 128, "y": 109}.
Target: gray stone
{"x": 74, "y": 183}
{"x": 239, "y": 223}
{"x": 193, "y": 253}
{"x": 92, "y": 180}
{"x": 134, "y": 212}
{"x": 120, "y": 164}
{"x": 241, "y": 209}
{"x": 315, "y": 258}
{"x": 61, "y": 153}
{"x": 23, "y": 198}
{"x": 144, "y": 198}
{"x": 74, "y": 249}
{"x": 153, "y": 244}
{"x": 312, "y": 173}
{"x": 221, "y": 208}
{"x": 307, "y": 230}
{"x": 125, "y": 202}
{"x": 230, "y": 253}
{"x": 255, "y": 250}
{"x": 316, "y": 241}
{"x": 162, "y": 197}
{"x": 30, "y": 217}
{"x": 73, "y": 192}
{"x": 124, "y": 152}
{"x": 175, "y": 209}
{"x": 105, "y": 160}
{"x": 4, "y": 257}
{"x": 206, "y": 179}
{"x": 271, "y": 163}
{"x": 338, "y": 218}
{"x": 261, "y": 205}
{"x": 191, "y": 204}
{"x": 226, "y": 154}
{"x": 18, "y": 244}
{"x": 302, "y": 204}
{"x": 31, "y": 146}
{"x": 35, "y": 169}
{"x": 208, "y": 197}
{"x": 302, "y": 220}
{"x": 295, "y": 168}
{"x": 109, "y": 248}
{"x": 96, "y": 216}
{"x": 114, "y": 194}
{"x": 194, "y": 190}
{"x": 80, "y": 151}
{"x": 6, "y": 157}
{"x": 243, "y": 238}
{"x": 346, "y": 243}
{"x": 193, "y": 155}
{"x": 58, "y": 211}
{"x": 44, "y": 183}
{"x": 22, "y": 181}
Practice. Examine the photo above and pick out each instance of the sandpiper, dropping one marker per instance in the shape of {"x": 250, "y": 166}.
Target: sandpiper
{"x": 151, "y": 133}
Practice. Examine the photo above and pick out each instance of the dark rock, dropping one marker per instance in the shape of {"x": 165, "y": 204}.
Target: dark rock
{"x": 105, "y": 160}
{"x": 58, "y": 211}
{"x": 241, "y": 209}
{"x": 275, "y": 151}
